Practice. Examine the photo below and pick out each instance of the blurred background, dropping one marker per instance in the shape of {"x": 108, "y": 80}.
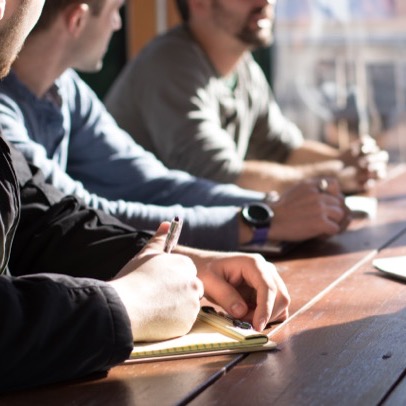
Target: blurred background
{"x": 340, "y": 68}
{"x": 337, "y": 67}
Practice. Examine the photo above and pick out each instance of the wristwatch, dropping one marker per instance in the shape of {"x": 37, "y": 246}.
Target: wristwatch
{"x": 259, "y": 217}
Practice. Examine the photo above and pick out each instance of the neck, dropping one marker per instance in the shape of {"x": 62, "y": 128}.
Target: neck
{"x": 223, "y": 52}
{"x": 40, "y": 62}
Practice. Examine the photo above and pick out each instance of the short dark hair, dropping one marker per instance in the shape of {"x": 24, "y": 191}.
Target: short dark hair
{"x": 183, "y": 8}
{"x": 53, "y": 7}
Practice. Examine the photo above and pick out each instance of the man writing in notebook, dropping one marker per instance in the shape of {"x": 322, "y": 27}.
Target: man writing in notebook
{"x": 196, "y": 98}
{"x": 59, "y": 124}
{"x": 62, "y": 321}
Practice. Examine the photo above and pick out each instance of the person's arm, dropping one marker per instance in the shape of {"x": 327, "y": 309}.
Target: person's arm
{"x": 355, "y": 167}
{"x": 304, "y": 212}
{"x": 96, "y": 160}
{"x": 10, "y": 204}
{"x": 278, "y": 157}
{"x": 39, "y": 227}
{"x": 55, "y": 328}
{"x": 108, "y": 162}
{"x": 58, "y": 233}
{"x": 310, "y": 160}
{"x": 100, "y": 151}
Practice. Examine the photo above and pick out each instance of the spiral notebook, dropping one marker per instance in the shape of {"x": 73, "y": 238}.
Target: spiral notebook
{"x": 213, "y": 333}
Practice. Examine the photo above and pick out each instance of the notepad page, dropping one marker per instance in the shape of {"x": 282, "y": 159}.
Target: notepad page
{"x": 201, "y": 338}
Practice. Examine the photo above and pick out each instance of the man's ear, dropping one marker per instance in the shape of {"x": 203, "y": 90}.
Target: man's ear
{"x": 76, "y": 18}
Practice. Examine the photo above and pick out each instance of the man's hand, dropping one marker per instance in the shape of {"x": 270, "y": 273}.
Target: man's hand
{"x": 364, "y": 163}
{"x": 305, "y": 211}
{"x": 245, "y": 285}
{"x": 160, "y": 291}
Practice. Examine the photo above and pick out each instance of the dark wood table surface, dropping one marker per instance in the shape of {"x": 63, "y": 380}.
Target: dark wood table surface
{"x": 344, "y": 342}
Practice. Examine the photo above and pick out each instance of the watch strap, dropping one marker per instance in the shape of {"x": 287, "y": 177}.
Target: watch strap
{"x": 260, "y": 235}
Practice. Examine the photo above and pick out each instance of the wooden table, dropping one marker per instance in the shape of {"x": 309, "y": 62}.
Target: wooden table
{"x": 344, "y": 342}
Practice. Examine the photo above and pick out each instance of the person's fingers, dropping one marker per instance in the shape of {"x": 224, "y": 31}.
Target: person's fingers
{"x": 346, "y": 220}
{"x": 327, "y": 184}
{"x": 372, "y": 167}
{"x": 330, "y": 208}
{"x": 155, "y": 245}
{"x": 226, "y": 295}
{"x": 378, "y": 157}
{"x": 366, "y": 177}
{"x": 157, "y": 242}
{"x": 272, "y": 298}
{"x": 259, "y": 293}
{"x": 333, "y": 187}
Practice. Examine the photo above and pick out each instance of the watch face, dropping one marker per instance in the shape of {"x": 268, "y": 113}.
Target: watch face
{"x": 257, "y": 214}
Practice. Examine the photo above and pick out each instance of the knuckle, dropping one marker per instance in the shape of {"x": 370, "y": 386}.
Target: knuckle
{"x": 255, "y": 259}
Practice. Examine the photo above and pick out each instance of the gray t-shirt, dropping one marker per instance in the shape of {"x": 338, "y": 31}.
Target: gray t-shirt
{"x": 173, "y": 102}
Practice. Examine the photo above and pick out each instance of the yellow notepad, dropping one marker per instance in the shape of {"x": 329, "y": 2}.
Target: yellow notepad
{"x": 211, "y": 334}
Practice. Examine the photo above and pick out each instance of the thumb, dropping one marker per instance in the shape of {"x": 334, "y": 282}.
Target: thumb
{"x": 154, "y": 246}
{"x": 157, "y": 242}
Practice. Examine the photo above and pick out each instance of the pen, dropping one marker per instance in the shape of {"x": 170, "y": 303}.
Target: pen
{"x": 173, "y": 234}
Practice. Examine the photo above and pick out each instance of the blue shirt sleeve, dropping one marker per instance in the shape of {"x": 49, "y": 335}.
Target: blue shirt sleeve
{"x": 110, "y": 172}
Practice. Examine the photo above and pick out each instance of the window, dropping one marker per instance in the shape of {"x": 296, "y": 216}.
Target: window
{"x": 340, "y": 68}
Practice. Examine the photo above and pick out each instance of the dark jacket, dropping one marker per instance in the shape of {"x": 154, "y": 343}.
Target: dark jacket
{"x": 53, "y": 326}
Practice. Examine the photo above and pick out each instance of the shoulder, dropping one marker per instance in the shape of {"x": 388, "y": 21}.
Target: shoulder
{"x": 175, "y": 42}
{"x": 72, "y": 81}
{"x": 76, "y": 92}
{"x": 12, "y": 91}
{"x": 14, "y": 98}
{"x": 174, "y": 51}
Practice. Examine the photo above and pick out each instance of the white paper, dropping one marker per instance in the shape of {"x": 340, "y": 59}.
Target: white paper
{"x": 395, "y": 266}
{"x": 363, "y": 205}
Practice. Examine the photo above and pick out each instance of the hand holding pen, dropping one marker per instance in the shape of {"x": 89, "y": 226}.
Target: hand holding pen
{"x": 170, "y": 282}
{"x": 173, "y": 234}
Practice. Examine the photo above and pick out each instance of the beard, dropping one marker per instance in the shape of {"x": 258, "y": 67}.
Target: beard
{"x": 252, "y": 37}
{"x": 12, "y": 39}
{"x": 255, "y": 39}
{"x": 8, "y": 51}
{"x": 260, "y": 36}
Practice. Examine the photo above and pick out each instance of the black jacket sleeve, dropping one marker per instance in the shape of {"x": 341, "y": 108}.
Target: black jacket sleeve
{"x": 60, "y": 234}
{"x": 9, "y": 204}
{"x": 55, "y": 327}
